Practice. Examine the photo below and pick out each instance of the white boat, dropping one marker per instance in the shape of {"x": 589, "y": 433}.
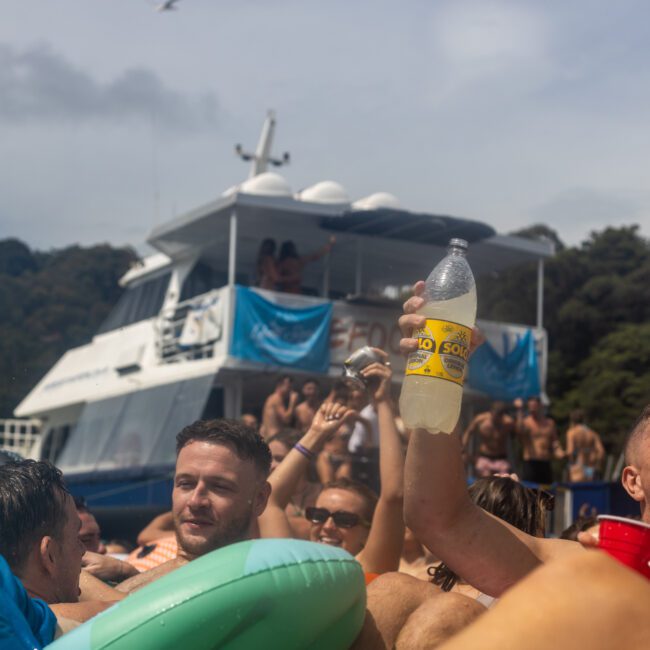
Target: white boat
{"x": 169, "y": 353}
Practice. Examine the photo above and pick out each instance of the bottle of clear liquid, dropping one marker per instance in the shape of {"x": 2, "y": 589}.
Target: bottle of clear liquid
{"x": 433, "y": 385}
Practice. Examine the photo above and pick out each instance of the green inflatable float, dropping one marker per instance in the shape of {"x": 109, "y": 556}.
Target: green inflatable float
{"x": 259, "y": 594}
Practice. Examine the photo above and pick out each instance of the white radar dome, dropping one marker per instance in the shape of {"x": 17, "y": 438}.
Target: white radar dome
{"x": 266, "y": 184}
{"x": 376, "y": 201}
{"x": 324, "y": 192}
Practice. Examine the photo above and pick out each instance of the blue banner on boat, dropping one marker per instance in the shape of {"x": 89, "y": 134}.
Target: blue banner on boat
{"x": 506, "y": 377}
{"x": 283, "y": 336}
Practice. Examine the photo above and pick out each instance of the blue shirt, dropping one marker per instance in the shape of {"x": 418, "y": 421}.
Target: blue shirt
{"x": 25, "y": 623}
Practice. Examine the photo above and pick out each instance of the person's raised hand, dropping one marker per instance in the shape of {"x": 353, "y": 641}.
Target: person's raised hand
{"x": 379, "y": 375}
{"x": 293, "y": 397}
{"x": 411, "y": 321}
{"x": 329, "y": 418}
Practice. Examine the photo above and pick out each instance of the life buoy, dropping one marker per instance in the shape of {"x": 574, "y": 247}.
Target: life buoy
{"x": 259, "y": 594}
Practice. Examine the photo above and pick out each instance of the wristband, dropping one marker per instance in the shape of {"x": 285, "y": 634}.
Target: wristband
{"x": 307, "y": 453}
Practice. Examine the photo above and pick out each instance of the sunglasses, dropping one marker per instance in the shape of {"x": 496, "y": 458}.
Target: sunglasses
{"x": 341, "y": 518}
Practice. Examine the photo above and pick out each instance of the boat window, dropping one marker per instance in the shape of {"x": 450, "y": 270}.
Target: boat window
{"x": 54, "y": 441}
{"x": 203, "y": 278}
{"x": 134, "y": 430}
{"x": 137, "y": 303}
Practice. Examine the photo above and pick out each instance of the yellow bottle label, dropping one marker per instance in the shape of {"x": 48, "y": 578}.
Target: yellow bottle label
{"x": 443, "y": 351}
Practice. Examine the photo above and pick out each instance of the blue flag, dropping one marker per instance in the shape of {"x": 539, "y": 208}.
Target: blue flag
{"x": 506, "y": 377}
{"x": 283, "y": 336}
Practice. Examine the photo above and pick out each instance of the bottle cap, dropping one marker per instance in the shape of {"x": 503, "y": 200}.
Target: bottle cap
{"x": 458, "y": 243}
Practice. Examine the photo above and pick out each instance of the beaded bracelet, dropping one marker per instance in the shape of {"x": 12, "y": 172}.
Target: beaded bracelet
{"x": 307, "y": 453}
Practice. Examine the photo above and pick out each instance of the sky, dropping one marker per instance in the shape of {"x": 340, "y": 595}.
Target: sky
{"x": 115, "y": 117}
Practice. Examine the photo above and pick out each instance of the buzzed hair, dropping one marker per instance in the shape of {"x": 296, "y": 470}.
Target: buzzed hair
{"x": 640, "y": 432}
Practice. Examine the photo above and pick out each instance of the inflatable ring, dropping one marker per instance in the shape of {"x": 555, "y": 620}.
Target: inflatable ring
{"x": 265, "y": 593}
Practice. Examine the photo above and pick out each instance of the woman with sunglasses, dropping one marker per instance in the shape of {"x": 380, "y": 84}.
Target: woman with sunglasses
{"x": 347, "y": 513}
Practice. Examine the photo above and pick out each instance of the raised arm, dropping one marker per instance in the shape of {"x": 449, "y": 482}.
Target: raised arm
{"x": 487, "y": 552}
{"x": 384, "y": 544}
{"x": 321, "y": 252}
{"x": 273, "y": 522}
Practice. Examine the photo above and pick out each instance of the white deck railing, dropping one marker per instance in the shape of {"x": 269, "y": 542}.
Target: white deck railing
{"x": 189, "y": 330}
{"x": 19, "y": 436}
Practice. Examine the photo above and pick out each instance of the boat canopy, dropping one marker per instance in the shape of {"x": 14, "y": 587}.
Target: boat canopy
{"x": 374, "y": 248}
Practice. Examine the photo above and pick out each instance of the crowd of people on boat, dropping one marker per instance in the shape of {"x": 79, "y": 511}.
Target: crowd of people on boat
{"x": 446, "y": 566}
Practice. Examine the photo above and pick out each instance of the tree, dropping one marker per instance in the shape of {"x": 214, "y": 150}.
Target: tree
{"x": 593, "y": 294}
{"x": 613, "y": 383}
{"x": 50, "y": 302}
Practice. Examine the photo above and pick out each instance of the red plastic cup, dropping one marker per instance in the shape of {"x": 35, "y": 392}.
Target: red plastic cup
{"x": 627, "y": 540}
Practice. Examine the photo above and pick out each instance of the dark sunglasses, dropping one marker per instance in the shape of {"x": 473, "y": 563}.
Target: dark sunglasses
{"x": 341, "y": 518}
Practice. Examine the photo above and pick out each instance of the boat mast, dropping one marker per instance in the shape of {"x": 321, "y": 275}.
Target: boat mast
{"x": 262, "y": 157}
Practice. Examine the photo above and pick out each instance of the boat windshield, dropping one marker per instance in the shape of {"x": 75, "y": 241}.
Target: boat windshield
{"x": 136, "y": 429}
{"x": 137, "y": 303}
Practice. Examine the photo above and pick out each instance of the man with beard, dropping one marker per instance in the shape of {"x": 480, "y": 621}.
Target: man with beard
{"x": 220, "y": 489}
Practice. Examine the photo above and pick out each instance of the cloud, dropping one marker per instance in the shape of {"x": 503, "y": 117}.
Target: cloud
{"x": 38, "y": 85}
{"x": 488, "y": 33}
{"x": 494, "y": 50}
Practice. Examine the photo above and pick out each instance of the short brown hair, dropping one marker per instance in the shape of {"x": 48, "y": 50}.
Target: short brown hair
{"x": 246, "y": 442}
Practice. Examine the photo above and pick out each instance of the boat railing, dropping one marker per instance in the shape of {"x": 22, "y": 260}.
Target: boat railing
{"x": 198, "y": 329}
{"x": 19, "y": 436}
{"x": 189, "y": 330}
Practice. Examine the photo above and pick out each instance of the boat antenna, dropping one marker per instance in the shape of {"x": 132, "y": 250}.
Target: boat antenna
{"x": 262, "y": 156}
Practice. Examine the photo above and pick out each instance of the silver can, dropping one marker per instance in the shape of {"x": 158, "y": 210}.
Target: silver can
{"x": 355, "y": 363}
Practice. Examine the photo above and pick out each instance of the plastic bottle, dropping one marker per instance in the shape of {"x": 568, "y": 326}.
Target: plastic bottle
{"x": 433, "y": 385}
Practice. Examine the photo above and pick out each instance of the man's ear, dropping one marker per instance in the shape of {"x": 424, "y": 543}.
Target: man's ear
{"x": 262, "y": 498}
{"x": 46, "y": 554}
{"x": 631, "y": 480}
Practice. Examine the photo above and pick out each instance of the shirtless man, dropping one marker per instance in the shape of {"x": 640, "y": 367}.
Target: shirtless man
{"x": 279, "y": 408}
{"x": 494, "y": 427}
{"x": 305, "y": 411}
{"x": 538, "y": 435}
{"x": 584, "y": 449}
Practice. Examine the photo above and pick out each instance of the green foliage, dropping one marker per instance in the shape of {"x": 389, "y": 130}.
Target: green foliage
{"x": 596, "y": 304}
{"x": 50, "y": 302}
{"x": 613, "y": 382}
